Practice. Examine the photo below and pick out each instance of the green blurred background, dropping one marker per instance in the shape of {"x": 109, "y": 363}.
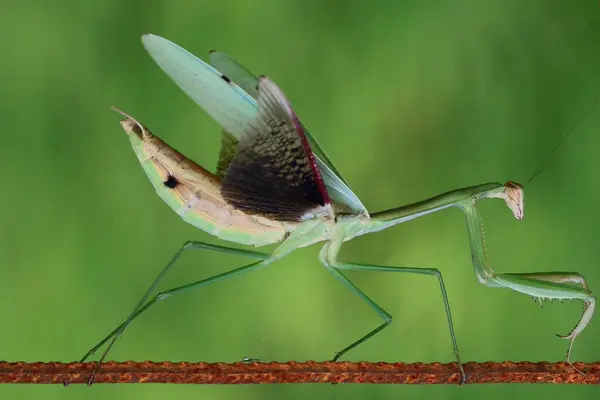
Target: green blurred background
{"x": 410, "y": 99}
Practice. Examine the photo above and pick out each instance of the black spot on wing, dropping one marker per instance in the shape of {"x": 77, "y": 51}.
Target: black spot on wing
{"x": 225, "y": 78}
{"x": 273, "y": 172}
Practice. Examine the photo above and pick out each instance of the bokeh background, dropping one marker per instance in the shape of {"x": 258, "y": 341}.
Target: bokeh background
{"x": 409, "y": 98}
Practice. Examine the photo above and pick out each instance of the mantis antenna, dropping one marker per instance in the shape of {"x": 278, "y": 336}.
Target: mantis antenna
{"x": 549, "y": 160}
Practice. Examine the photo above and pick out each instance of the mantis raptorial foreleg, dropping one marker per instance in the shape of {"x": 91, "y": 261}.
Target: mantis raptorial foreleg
{"x": 543, "y": 286}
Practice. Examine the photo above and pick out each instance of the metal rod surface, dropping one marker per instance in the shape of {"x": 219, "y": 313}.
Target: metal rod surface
{"x": 298, "y": 372}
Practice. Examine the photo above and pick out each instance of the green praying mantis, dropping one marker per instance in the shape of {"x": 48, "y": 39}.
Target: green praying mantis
{"x": 274, "y": 184}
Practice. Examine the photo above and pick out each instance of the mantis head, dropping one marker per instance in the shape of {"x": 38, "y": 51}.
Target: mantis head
{"x": 514, "y": 197}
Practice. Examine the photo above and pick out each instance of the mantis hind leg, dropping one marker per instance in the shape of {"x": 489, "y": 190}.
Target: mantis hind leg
{"x": 143, "y": 305}
{"x": 335, "y": 266}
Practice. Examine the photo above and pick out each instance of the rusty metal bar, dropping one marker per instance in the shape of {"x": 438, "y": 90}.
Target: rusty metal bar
{"x": 298, "y": 372}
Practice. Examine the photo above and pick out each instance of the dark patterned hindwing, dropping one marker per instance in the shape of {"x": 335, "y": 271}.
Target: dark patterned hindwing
{"x": 274, "y": 172}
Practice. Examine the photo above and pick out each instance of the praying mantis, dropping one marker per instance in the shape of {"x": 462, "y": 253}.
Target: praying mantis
{"x": 274, "y": 184}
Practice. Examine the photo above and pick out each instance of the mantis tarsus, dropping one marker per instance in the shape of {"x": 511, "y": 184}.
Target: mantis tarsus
{"x": 274, "y": 184}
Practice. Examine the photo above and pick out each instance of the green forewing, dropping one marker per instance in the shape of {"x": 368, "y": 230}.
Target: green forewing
{"x": 235, "y": 71}
{"x": 231, "y": 106}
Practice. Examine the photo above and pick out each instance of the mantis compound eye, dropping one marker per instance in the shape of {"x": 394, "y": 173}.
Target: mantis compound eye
{"x": 514, "y": 197}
